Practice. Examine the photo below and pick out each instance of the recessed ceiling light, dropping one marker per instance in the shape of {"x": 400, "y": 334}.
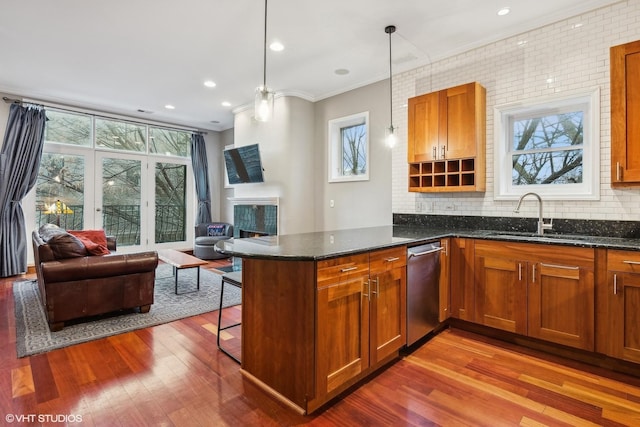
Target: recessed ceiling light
{"x": 522, "y": 42}
{"x": 577, "y": 25}
{"x": 226, "y": 104}
{"x": 276, "y": 46}
{"x": 210, "y": 83}
{"x": 169, "y": 107}
{"x": 504, "y": 11}
{"x": 341, "y": 71}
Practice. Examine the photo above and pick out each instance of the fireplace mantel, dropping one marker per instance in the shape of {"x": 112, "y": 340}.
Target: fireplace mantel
{"x": 254, "y": 200}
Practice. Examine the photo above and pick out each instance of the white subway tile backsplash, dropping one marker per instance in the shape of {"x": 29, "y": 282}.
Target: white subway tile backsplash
{"x": 575, "y": 58}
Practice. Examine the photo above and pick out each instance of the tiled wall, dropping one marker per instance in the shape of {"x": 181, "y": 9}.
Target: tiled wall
{"x": 575, "y": 54}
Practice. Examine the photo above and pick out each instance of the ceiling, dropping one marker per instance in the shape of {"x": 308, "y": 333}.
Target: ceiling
{"x": 121, "y": 56}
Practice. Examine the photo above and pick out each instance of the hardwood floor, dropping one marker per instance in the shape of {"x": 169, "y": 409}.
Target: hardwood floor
{"x": 173, "y": 375}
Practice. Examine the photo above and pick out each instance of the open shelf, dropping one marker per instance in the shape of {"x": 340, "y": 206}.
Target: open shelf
{"x": 443, "y": 175}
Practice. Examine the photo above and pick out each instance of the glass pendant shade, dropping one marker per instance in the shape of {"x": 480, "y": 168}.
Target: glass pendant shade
{"x": 391, "y": 138}
{"x": 264, "y": 104}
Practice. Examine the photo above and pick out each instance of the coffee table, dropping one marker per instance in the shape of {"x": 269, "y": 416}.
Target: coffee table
{"x": 180, "y": 260}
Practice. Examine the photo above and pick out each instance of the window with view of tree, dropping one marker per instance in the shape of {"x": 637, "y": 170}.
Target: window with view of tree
{"x": 549, "y": 147}
{"x": 113, "y": 165}
{"x": 349, "y": 148}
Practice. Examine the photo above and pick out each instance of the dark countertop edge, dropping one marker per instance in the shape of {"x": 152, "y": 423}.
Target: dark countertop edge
{"x": 416, "y": 235}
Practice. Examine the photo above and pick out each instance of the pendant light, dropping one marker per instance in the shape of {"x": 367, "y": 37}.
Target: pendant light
{"x": 391, "y": 138}
{"x": 264, "y": 95}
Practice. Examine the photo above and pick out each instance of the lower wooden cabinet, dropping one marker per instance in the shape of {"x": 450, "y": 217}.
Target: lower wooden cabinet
{"x": 361, "y": 316}
{"x": 623, "y": 311}
{"x": 461, "y": 256}
{"x": 542, "y": 291}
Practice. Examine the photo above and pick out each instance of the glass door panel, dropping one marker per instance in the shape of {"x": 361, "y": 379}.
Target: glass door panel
{"x": 60, "y": 194}
{"x": 119, "y": 201}
{"x": 170, "y": 202}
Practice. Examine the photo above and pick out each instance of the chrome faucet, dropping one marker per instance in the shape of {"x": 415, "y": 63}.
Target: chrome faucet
{"x": 541, "y": 224}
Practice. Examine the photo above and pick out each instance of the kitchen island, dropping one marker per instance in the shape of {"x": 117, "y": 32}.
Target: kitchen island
{"x": 321, "y": 311}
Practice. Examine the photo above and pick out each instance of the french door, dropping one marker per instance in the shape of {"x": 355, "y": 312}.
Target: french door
{"x": 145, "y": 201}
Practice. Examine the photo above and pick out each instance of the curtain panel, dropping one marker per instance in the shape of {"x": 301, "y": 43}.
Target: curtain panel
{"x": 201, "y": 175}
{"x": 19, "y": 164}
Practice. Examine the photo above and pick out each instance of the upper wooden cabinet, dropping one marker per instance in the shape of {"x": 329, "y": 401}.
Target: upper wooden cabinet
{"x": 625, "y": 110}
{"x": 447, "y": 139}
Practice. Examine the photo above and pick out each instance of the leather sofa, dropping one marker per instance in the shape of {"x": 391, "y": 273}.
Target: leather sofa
{"x": 74, "y": 284}
{"x": 207, "y": 235}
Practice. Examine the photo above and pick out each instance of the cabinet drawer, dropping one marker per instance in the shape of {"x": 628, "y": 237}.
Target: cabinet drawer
{"x": 336, "y": 270}
{"x": 387, "y": 259}
{"x": 624, "y": 261}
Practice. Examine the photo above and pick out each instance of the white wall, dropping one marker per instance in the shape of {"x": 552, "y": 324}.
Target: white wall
{"x": 360, "y": 203}
{"x": 213, "y": 144}
{"x": 286, "y": 147}
{"x": 576, "y": 57}
{"x": 226, "y": 207}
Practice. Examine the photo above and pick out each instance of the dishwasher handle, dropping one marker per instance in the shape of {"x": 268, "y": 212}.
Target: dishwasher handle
{"x": 417, "y": 254}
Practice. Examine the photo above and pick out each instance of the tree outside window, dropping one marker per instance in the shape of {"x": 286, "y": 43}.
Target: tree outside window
{"x": 349, "y": 148}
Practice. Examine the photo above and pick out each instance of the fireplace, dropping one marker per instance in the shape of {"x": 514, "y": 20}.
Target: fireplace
{"x": 255, "y": 217}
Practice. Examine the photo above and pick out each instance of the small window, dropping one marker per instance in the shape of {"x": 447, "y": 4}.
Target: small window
{"x": 349, "y": 148}
{"x": 170, "y": 142}
{"x": 121, "y": 135}
{"x": 550, "y": 147}
{"x": 68, "y": 128}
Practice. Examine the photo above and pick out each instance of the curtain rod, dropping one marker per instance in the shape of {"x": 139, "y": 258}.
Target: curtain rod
{"x": 8, "y": 100}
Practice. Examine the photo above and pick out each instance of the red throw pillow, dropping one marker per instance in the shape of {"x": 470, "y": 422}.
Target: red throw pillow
{"x": 94, "y": 240}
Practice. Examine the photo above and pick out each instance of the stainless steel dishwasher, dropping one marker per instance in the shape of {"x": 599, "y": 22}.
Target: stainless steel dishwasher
{"x": 423, "y": 276}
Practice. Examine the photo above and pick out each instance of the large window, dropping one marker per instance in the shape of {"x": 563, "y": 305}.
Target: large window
{"x": 549, "y": 147}
{"x": 349, "y": 148}
{"x": 130, "y": 179}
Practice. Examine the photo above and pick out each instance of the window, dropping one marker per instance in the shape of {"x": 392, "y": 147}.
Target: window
{"x": 550, "y": 147}
{"x": 115, "y": 180}
{"x": 349, "y": 148}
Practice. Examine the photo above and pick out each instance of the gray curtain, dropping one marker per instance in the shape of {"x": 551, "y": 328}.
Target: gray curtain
{"x": 201, "y": 174}
{"x": 19, "y": 164}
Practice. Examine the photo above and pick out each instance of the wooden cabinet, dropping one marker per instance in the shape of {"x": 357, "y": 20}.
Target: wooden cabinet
{"x": 542, "y": 291}
{"x": 462, "y": 279}
{"x": 623, "y": 313}
{"x": 625, "y": 110}
{"x": 361, "y": 320}
{"x": 444, "y": 311}
{"x": 446, "y": 140}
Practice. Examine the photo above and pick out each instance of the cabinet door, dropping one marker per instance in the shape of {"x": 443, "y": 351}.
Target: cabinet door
{"x": 445, "y": 283}
{"x": 424, "y": 128}
{"x": 461, "y": 128}
{"x": 501, "y": 289}
{"x": 625, "y": 110}
{"x": 342, "y": 348}
{"x": 388, "y": 328}
{"x": 462, "y": 279}
{"x": 561, "y": 304}
{"x": 388, "y": 324}
{"x": 623, "y": 283}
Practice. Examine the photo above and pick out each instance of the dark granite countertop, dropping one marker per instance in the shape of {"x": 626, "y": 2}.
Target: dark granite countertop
{"x": 329, "y": 244}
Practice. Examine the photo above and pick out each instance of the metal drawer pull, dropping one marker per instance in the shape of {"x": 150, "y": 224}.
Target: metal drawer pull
{"x": 615, "y": 284}
{"x": 631, "y": 262}
{"x": 344, "y": 270}
{"x": 618, "y": 171}
{"x": 395, "y": 258}
{"x": 565, "y": 267}
{"x": 425, "y": 252}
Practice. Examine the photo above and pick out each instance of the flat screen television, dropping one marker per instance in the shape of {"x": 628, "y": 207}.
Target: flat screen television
{"x": 243, "y": 164}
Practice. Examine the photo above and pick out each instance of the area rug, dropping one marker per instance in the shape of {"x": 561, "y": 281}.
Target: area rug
{"x": 33, "y": 335}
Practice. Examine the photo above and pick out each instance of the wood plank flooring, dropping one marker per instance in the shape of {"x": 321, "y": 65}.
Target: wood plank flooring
{"x": 173, "y": 375}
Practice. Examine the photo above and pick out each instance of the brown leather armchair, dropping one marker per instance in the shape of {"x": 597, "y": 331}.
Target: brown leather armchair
{"x": 73, "y": 285}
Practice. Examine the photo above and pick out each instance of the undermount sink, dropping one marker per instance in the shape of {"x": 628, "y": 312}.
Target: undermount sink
{"x": 538, "y": 236}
